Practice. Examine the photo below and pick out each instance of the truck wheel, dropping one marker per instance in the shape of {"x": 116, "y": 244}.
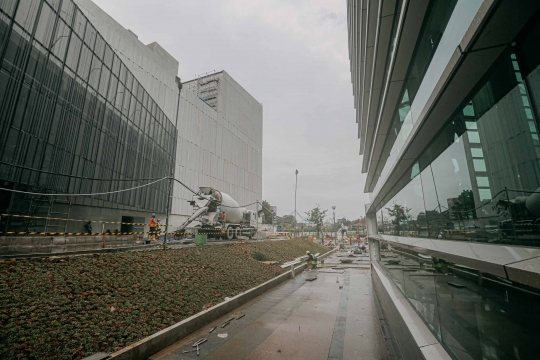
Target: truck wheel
{"x": 230, "y": 233}
{"x": 237, "y": 232}
{"x": 250, "y": 234}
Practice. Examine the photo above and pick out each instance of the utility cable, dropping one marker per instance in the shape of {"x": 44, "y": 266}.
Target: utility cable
{"x": 237, "y": 207}
{"x": 184, "y": 185}
{"x": 92, "y": 194}
{"x": 75, "y": 176}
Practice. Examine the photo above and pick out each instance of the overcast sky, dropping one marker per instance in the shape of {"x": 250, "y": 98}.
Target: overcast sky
{"x": 292, "y": 56}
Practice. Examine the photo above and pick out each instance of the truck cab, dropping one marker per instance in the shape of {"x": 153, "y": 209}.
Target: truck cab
{"x": 250, "y": 218}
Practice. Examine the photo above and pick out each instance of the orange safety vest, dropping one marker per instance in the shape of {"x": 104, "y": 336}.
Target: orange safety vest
{"x": 153, "y": 223}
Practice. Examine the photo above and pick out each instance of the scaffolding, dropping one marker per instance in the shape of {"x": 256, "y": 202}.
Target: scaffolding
{"x": 206, "y": 87}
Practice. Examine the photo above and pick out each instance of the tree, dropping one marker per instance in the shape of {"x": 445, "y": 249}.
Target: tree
{"x": 316, "y": 216}
{"x": 289, "y": 221}
{"x": 399, "y": 214}
{"x": 267, "y": 214}
{"x": 463, "y": 208}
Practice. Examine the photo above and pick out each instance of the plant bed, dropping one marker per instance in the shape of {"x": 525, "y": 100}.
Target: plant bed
{"x": 74, "y": 307}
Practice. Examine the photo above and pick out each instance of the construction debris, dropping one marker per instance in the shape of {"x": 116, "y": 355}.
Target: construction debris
{"x": 298, "y": 260}
{"x": 331, "y": 271}
{"x": 212, "y": 329}
{"x": 456, "y": 285}
{"x": 311, "y": 278}
{"x": 199, "y": 342}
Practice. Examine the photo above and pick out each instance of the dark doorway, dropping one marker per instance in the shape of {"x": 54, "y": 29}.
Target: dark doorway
{"x": 132, "y": 220}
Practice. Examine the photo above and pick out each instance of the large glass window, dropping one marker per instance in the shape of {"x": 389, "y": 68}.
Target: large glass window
{"x": 480, "y": 178}
{"x": 467, "y": 309}
{"x": 436, "y": 22}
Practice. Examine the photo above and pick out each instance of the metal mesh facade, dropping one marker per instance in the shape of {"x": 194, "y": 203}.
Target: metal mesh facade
{"x": 69, "y": 105}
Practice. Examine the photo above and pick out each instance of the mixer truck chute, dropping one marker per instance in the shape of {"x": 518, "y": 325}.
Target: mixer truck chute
{"x": 220, "y": 214}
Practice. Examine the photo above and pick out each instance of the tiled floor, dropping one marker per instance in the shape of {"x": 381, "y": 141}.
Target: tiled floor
{"x": 298, "y": 320}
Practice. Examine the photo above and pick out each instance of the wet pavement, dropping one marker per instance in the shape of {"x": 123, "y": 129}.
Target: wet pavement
{"x": 332, "y": 317}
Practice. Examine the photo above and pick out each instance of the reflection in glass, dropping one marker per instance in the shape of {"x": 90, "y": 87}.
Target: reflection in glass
{"x": 466, "y": 309}
{"x": 477, "y": 177}
{"x": 402, "y": 122}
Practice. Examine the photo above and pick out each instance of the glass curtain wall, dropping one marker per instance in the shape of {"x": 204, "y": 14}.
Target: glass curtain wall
{"x": 439, "y": 16}
{"x": 480, "y": 178}
{"x": 466, "y": 309}
{"x": 69, "y": 106}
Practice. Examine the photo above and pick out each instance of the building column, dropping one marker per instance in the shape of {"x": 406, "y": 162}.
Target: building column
{"x": 374, "y": 245}
{"x": 371, "y": 223}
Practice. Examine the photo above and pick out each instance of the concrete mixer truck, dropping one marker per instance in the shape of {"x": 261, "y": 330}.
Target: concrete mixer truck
{"x": 220, "y": 215}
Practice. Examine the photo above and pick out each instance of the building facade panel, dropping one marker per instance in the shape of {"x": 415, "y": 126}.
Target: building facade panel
{"x": 150, "y": 64}
{"x": 222, "y": 140}
{"x": 460, "y": 166}
{"x": 74, "y": 119}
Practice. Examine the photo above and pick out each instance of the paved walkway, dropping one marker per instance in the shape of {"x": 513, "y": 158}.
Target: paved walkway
{"x": 298, "y": 320}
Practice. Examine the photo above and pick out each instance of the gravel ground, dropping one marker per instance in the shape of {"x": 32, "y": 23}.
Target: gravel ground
{"x": 69, "y": 308}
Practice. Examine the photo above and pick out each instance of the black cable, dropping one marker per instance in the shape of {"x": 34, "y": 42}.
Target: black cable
{"x": 89, "y": 194}
{"x": 184, "y": 185}
{"x": 236, "y": 207}
{"x": 75, "y": 176}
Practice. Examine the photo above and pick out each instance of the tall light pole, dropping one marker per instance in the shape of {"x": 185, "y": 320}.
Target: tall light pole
{"x": 295, "y": 187}
{"x": 335, "y": 234}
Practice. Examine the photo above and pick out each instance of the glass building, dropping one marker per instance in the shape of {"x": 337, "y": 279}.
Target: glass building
{"x": 73, "y": 118}
{"x": 447, "y": 96}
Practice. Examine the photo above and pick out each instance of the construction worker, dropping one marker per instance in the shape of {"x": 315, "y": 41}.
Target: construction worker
{"x": 309, "y": 260}
{"x": 223, "y": 217}
{"x": 153, "y": 226}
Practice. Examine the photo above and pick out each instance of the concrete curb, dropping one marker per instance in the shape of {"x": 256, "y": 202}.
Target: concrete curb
{"x": 152, "y": 344}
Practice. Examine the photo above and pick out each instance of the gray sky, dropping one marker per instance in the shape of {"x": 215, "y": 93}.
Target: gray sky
{"x": 292, "y": 56}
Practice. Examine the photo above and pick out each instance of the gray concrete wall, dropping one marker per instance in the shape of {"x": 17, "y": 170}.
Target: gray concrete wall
{"x": 18, "y": 245}
{"x": 105, "y": 214}
{"x": 220, "y": 148}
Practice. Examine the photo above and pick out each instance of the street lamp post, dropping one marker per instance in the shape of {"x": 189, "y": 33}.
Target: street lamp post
{"x": 295, "y": 187}
{"x": 335, "y": 234}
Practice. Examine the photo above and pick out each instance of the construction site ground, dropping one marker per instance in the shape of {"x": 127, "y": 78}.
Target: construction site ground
{"x": 331, "y": 317}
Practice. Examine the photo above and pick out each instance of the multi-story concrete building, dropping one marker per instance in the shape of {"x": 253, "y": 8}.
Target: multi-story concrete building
{"x": 86, "y": 107}
{"x": 219, "y": 142}
{"x": 447, "y": 101}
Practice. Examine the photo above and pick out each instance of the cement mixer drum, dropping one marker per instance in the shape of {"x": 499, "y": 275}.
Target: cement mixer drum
{"x": 233, "y": 212}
